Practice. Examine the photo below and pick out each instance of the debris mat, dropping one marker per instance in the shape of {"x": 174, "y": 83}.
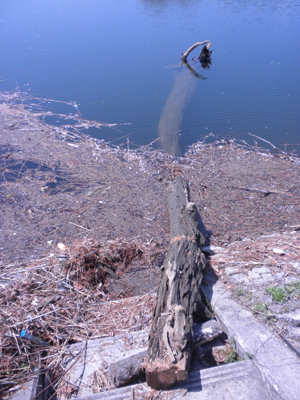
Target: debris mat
{"x": 84, "y": 226}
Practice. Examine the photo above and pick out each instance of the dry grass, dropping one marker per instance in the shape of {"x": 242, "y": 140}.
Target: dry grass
{"x": 90, "y": 263}
{"x": 61, "y": 305}
{"x": 278, "y": 252}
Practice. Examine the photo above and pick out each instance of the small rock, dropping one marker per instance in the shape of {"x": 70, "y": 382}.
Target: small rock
{"x": 231, "y": 270}
{"x": 239, "y": 279}
{"x": 294, "y": 333}
{"x": 296, "y": 265}
{"x": 290, "y": 279}
{"x": 292, "y": 318}
{"x": 253, "y": 275}
{"x": 207, "y": 331}
{"x": 129, "y": 337}
{"x": 261, "y": 275}
{"x": 279, "y": 275}
{"x": 265, "y": 278}
{"x": 260, "y": 270}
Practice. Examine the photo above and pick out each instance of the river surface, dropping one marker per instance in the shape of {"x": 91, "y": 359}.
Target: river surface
{"x": 120, "y": 61}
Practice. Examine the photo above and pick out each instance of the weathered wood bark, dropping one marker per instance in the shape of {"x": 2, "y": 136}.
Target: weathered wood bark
{"x": 184, "y": 55}
{"x": 179, "y": 298}
{"x": 130, "y": 370}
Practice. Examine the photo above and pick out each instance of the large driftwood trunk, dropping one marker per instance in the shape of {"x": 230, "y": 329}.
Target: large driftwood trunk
{"x": 179, "y": 297}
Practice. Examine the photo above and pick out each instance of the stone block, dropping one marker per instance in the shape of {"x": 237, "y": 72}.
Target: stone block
{"x": 294, "y": 333}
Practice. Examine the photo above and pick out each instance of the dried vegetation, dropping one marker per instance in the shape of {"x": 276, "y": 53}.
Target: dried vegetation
{"x": 59, "y": 304}
{"x": 276, "y": 251}
{"x": 242, "y": 191}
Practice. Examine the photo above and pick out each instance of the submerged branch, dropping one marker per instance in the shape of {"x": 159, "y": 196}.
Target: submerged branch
{"x": 186, "y": 64}
{"x": 184, "y": 55}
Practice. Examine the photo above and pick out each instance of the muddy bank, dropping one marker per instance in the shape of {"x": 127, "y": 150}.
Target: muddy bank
{"x": 57, "y": 188}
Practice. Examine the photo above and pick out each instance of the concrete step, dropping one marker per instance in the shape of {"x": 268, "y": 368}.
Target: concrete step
{"x": 93, "y": 365}
{"x": 277, "y": 364}
{"x": 273, "y": 373}
{"x": 239, "y": 381}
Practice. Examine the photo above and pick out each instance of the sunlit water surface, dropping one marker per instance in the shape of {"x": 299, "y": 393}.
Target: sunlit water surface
{"x": 119, "y": 59}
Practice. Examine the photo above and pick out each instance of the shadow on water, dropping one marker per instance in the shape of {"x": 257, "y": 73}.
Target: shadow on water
{"x": 170, "y": 122}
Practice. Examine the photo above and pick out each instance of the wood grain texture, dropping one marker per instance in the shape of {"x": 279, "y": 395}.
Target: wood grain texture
{"x": 179, "y": 297}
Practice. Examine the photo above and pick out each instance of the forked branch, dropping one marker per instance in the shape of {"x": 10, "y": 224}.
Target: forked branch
{"x": 184, "y": 55}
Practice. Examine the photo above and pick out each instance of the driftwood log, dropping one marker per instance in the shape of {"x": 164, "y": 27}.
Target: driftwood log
{"x": 184, "y": 55}
{"x": 130, "y": 370}
{"x": 183, "y": 90}
{"x": 179, "y": 298}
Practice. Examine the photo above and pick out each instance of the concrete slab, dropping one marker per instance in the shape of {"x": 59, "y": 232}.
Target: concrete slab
{"x": 272, "y": 373}
{"x": 278, "y": 365}
{"x": 292, "y": 318}
{"x": 88, "y": 363}
{"x": 33, "y": 389}
{"x": 238, "y": 381}
{"x": 28, "y": 390}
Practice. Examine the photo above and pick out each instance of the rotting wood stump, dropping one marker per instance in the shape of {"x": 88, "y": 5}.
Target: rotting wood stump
{"x": 179, "y": 298}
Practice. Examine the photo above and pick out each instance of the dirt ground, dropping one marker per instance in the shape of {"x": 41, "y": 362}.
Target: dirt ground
{"x": 55, "y": 190}
{"x": 70, "y": 204}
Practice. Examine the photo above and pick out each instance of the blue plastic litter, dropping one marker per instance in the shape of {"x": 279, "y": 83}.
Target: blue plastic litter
{"x": 33, "y": 339}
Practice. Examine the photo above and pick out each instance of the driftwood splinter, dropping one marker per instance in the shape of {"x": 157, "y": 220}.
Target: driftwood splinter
{"x": 179, "y": 297}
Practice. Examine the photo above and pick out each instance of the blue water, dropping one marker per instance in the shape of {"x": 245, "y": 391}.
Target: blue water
{"x": 116, "y": 59}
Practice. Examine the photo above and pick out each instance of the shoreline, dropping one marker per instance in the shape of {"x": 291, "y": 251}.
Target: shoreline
{"x": 90, "y": 196}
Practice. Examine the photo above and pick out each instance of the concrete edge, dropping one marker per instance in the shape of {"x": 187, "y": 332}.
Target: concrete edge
{"x": 213, "y": 375}
{"x": 278, "y": 365}
{"x": 29, "y": 389}
{"x": 197, "y": 380}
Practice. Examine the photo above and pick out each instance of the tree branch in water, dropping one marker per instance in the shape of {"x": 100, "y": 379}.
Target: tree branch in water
{"x": 184, "y": 55}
